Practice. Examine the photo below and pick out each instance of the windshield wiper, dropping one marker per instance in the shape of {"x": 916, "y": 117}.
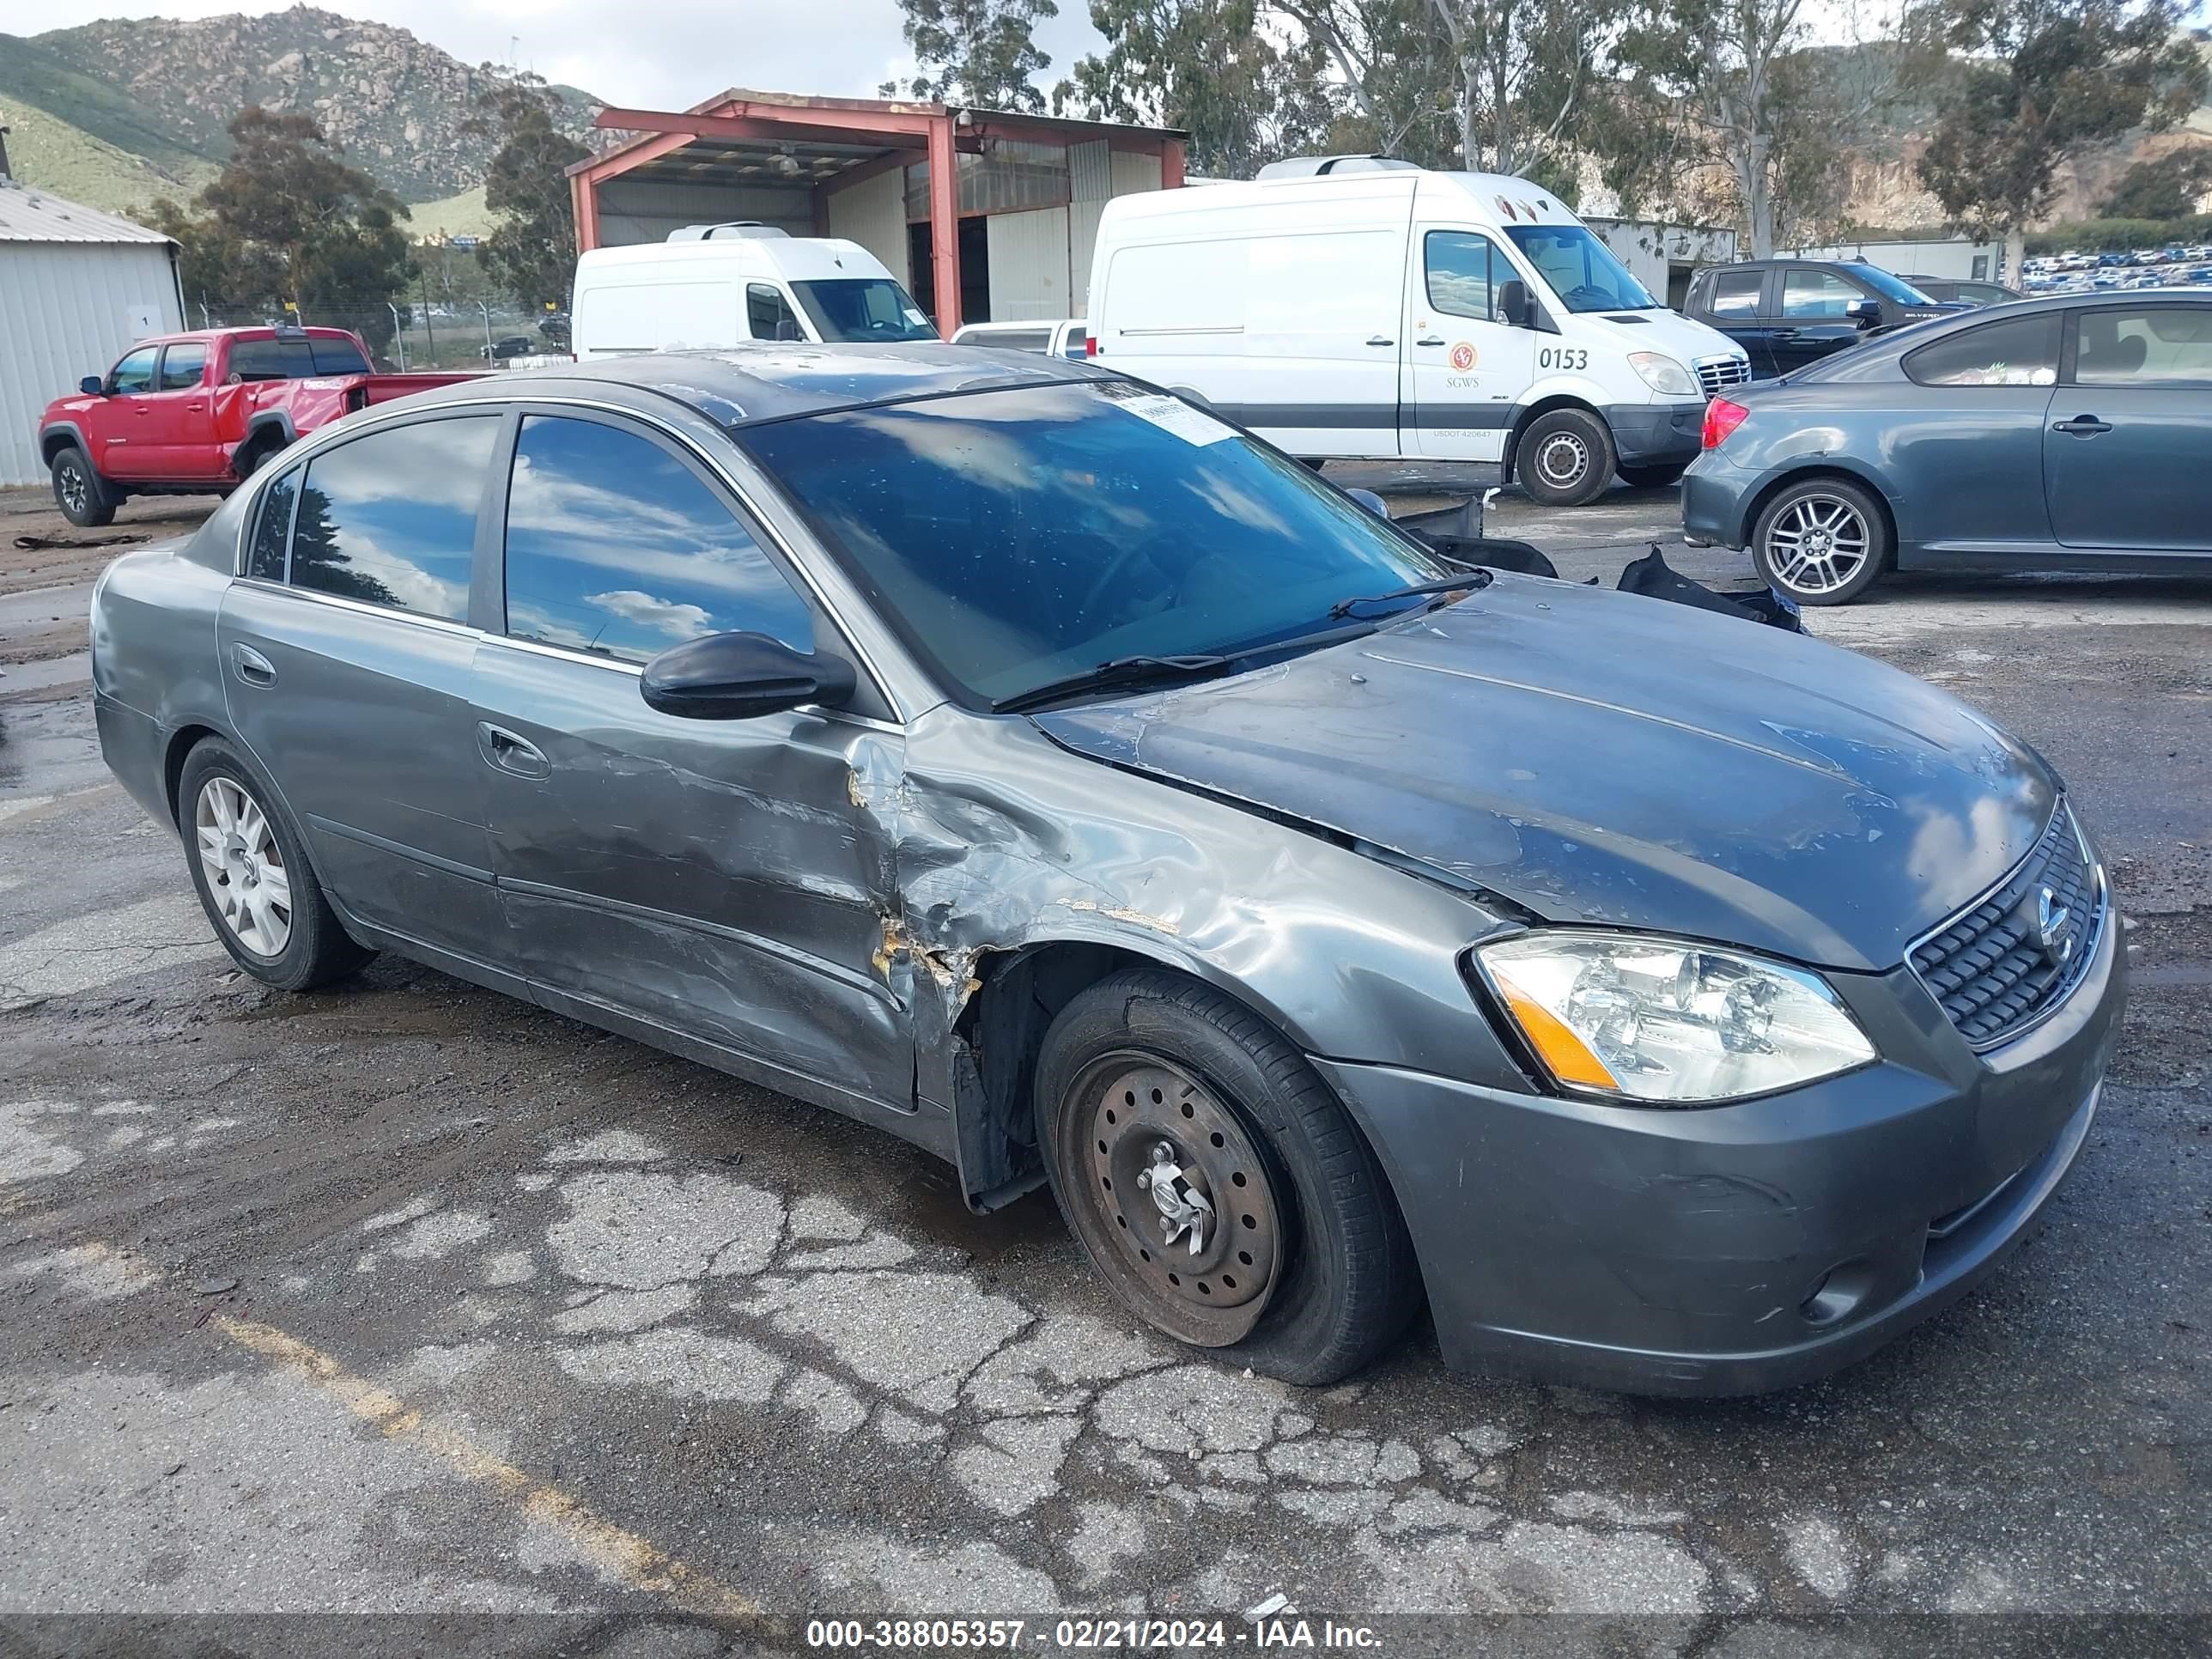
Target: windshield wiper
{"x": 1466, "y": 582}
{"x": 1116, "y": 671}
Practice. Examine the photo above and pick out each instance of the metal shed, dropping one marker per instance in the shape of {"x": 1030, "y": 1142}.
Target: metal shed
{"x": 77, "y": 287}
{"x": 986, "y": 214}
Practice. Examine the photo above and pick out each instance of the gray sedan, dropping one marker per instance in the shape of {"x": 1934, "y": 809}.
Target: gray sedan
{"x": 2070, "y": 432}
{"x": 1027, "y": 764}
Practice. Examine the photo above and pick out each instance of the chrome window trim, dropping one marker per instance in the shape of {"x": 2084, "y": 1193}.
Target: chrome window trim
{"x": 442, "y": 624}
{"x": 368, "y": 420}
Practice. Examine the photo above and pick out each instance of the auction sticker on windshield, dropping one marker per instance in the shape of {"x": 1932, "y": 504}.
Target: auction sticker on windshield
{"x": 1169, "y": 414}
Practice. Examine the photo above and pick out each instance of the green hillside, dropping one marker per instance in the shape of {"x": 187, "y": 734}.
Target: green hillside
{"x": 53, "y": 155}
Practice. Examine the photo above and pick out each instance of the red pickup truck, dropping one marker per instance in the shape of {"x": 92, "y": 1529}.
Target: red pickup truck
{"x": 194, "y": 414}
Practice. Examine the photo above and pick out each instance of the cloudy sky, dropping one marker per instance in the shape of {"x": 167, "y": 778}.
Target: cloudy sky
{"x": 653, "y": 54}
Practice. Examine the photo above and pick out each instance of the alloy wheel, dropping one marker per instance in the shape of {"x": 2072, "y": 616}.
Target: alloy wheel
{"x": 76, "y": 490}
{"x": 1817, "y": 545}
{"x": 244, "y": 867}
{"x": 1173, "y": 1197}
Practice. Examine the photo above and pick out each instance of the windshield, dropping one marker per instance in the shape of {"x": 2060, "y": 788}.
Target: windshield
{"x": 1023, "y": 536}
{"x": 1889, "y": 287}
{"x": 1580, "y": 269}
{"x": 863, "y": 308}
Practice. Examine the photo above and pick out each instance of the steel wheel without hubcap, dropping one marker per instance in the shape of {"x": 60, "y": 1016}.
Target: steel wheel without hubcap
{"x": 1817, "y": 545}
{"x": 1562, "y": 459}
{"x": 1173, "y": 1197}
{"x": 244, "y": 868}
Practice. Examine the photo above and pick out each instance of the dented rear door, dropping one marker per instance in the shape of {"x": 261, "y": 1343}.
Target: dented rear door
{"x": 722, "y": 879}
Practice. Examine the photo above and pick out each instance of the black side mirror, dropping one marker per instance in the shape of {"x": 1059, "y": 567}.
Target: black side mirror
{"x": 1373, "y": 502}
{"x": 93, "y": 386}
{"x": 737, "y": 676}
{"x": 1513, "y": 302}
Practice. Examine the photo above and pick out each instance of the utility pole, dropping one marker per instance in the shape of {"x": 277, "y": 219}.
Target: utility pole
{"x": 399, "y": 335}
{"x": 429, "y": 331}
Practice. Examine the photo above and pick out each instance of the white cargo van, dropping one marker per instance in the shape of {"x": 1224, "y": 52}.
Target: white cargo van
{"x": 714, "y": 285}
{"x": 1357, "y": 307}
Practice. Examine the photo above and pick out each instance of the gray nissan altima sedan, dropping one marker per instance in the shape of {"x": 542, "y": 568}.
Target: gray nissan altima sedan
{"x": 1026, "y": 764}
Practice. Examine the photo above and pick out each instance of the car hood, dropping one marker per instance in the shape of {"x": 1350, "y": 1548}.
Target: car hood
{"x": 1680, "y": 337}
{"x": 1593, "y": 756}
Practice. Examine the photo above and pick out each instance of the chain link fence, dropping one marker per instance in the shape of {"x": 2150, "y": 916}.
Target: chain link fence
{"x": 410, "y": 336}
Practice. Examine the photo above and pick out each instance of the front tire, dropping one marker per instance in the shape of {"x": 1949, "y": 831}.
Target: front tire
{"x": 1822, "y": 542}
{"x": 1217, "y": 1184}
{"x": 85, "y": 498}
{"x": 1565, "y": 459}
{"x": 254, "y": 878}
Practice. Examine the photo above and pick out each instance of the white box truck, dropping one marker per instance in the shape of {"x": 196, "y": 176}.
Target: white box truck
{"x": 715, "y": 285}
{"x": 1360, "y": 307}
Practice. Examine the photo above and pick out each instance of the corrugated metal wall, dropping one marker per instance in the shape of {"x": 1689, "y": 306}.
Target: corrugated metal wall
{"x": 1028, "y": 265}
{"x": 1091, "y": 179}
{"x": 642, "y": 210}
{"x": 1135, "y": 172}
{"x": 67, "y": 310}
{"x": 873, "y": 214}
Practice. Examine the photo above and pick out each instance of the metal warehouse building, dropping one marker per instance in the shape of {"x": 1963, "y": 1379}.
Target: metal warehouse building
{"x": 77, "y": 287}
{"x": 984, "y": 215}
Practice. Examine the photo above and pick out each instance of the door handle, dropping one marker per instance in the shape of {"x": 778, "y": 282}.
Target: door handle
{"x": 194, "y": 408}
{"x": 1379, "y": 340}
{"x": 1427, "y": 339}
{"x": 251, "y": 667}
{"x": 1785, "y": 334}
{"x": 511, "y": 753}
{"x": 2083, "y": 426}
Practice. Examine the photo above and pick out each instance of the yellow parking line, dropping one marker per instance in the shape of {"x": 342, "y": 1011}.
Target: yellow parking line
{"x": 618, "y": 1551}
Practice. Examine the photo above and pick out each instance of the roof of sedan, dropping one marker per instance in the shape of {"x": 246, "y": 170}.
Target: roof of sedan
{"x": 746, "y": 384}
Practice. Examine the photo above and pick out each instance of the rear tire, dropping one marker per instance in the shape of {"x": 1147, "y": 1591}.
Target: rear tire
{"x": 244, "y": 852}
{"x": 1147, "y": 1061}
{"x": 85, "y": 498}
{"x": 1822, "y": 542}
{"x": 1652, "y": 477}
{"x": 1565, "y": 459}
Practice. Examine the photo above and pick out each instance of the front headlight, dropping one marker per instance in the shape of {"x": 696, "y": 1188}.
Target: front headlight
{"x": 1663, "y": 374}
{"x": 1665, "y": 1020}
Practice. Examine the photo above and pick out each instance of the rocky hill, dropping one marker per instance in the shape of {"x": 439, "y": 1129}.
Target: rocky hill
{"x": 163, "y": 91}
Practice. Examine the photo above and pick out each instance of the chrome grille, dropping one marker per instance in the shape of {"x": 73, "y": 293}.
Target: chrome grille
{"x": 1715, "y": 373}
{"x": 1990, "y": 966}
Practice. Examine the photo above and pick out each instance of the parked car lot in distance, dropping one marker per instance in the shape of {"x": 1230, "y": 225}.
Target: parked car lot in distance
{"x": 2058, "y": 433}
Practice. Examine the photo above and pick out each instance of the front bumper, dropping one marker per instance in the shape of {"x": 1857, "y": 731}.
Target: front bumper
{"x": 1736, "y": 1249}
{"x": 1656, "y": 434}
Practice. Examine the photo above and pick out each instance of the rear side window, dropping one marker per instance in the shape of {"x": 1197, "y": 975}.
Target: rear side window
{"x": 768, "y": 315}
{"x": 616, "y": 547}
{"x": 1459, "y": 265}
{"x": 1736, "y": 293}
{"x": 272, "y": 528}
{"x": 390, "y": 518}
{"x": 182, "y": 366}
{"x": 2019, "y": 351}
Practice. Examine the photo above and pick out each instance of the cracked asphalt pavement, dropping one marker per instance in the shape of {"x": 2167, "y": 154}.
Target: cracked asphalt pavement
{"x": 407, "y": 1297}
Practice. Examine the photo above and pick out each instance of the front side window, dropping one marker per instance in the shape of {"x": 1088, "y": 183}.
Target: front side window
{"x": 1818, "y": 296}
{"x": 1580, "y": 269}
{"x": 2155, "y": 345}
{"x": 767, "y": 314}
{"x": 1737, "y": 293}
{"x": 1021, "y": 536}
{"x": 2022, "y": 351}
{"x": 1458, "y": 263}
{"x": 182, "y": 366}
{"x": 136, "y": 372}
{"x": 863, "y": 308}
{"x": 616, "y": 547}
{"x": 390, "y": 517}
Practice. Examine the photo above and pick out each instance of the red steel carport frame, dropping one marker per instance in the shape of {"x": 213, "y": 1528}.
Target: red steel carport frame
{"x": 909, "y": 132}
